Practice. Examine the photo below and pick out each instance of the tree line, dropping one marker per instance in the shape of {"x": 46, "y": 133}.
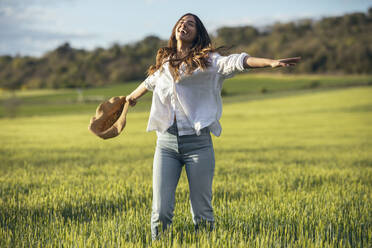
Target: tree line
{"x": 341, "y": 44}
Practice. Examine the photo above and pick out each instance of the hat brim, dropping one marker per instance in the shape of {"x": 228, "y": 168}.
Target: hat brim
{"x": 110, "y": 118}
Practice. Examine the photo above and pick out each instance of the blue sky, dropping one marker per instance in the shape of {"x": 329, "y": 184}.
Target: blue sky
{"x": 33, "y": 27}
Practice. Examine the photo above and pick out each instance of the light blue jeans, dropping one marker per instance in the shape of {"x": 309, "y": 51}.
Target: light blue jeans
{"x": 172, "y": 152}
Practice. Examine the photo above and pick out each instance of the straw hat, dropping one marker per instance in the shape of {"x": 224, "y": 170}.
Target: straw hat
{"x": 110, "y": 118}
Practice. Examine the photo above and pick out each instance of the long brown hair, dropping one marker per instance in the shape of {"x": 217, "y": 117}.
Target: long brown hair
{"x": 198, "y": 55}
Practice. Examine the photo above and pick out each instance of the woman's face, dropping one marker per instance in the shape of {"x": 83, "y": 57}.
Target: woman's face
{"x": 186, "y": 29}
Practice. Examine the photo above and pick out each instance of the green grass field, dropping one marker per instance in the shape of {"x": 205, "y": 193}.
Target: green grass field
{"x": 240, "y": 88}
{"x": 293, "y": 169}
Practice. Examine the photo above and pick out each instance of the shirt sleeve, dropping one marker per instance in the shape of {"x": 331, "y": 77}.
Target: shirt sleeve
{"x": 228, "y": 65}
{"x": 150, "y": 81}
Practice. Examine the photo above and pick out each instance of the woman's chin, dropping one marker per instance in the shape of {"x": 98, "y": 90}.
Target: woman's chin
{"x": 185, "y": 39}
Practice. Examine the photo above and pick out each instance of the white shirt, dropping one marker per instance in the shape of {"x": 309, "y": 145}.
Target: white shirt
{"x": 195, "y": 99}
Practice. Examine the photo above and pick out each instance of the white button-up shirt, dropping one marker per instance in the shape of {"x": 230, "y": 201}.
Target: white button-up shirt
{"x": 195, "y": 99}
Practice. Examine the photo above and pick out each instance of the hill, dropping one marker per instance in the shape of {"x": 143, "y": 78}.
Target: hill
{"x": 341, "y": 44}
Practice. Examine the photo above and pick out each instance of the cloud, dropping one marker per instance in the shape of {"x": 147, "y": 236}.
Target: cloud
{"x": 150, "y": 2}
{"x": 257, "y": 22}
{"x": 33, "y": 29}
{"x": 260, "y": 22}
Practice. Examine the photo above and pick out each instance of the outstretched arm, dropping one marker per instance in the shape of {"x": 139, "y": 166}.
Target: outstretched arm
{"x": 252, "y": 62}
{"x": 137, "y": 93}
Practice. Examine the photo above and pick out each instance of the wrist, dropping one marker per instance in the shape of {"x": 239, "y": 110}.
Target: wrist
{"x": 131, "y": 97}
{"x": 274, "y": 63}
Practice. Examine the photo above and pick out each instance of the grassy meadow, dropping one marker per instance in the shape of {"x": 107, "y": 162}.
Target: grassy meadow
{"x": 293, "y": 169}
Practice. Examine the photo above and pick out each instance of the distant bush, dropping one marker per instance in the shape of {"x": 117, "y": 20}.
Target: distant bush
{"x": 264, "y": 90}
{"x": 314, "y": 84}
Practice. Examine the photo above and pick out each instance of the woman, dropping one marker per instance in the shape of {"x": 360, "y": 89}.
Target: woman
{"x": 186, "y": 106}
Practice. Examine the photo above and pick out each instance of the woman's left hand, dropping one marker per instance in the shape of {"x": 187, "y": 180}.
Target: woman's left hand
{"x": 285, "y": 62}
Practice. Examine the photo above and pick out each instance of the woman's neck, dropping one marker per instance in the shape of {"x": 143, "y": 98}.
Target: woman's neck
{"x": 183, "y": 48}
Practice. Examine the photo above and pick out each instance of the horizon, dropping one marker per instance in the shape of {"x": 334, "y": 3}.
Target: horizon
{"x": 39, "y": 26}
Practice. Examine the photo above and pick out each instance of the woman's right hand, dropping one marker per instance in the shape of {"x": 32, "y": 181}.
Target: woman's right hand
{"x": 132, "y": 101}
{"x": 136, "y": 94}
